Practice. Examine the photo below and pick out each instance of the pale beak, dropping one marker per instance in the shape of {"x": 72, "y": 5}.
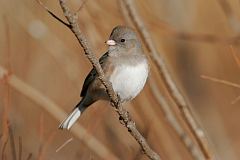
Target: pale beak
{"x": 111, "y": 42}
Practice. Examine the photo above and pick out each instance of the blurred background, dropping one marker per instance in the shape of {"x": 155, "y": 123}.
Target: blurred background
{"x": 47, "y": 69}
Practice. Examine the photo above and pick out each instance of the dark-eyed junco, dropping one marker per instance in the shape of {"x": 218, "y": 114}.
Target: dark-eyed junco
{"x": 124, "y": 65}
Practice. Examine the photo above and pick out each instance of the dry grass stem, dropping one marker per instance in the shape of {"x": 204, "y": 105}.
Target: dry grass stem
{"x": 43, "y": 67}
{"x": 12, "y": 142}
{"x": 29, "y": 156}
{"x": 43, "y": 148}
{"x": 81, "y": 6}
{"x": 170, "y": 84}
{"x": 193, "y": 149}
{"x": 227, "y": 83}
{"x": 221, "y": 81}
{"x": 4, "y": 148}
{"x": 124, "y": 12}
{"x": 187, "y": 141}
{"x": 100, "y": 149}
{"x": 64, "y": 144}
{"x": 20, "y": 148}
{"x": 235, "y": 100}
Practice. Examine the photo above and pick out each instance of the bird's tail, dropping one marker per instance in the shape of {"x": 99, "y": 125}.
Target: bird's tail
{"x": 72, "y": 117}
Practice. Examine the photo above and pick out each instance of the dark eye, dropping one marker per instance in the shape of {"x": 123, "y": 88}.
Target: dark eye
{"x": 122, "y": 40}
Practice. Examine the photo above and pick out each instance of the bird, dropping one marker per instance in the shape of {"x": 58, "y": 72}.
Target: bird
{"x": 124, "y": 65}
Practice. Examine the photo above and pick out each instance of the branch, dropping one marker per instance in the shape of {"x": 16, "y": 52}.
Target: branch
{"x": 53, "y": 109}
{"x": 52, "y": 14}
{"x": 123, "y": 114}
{"x": 170, "y": 84}
{"x": 193, "y": 149}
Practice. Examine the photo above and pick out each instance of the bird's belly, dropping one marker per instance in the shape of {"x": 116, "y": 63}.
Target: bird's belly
{"x": 128, "y": 81}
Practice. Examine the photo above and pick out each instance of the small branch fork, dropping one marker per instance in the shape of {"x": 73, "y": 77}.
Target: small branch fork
{"x": 124, "y": 116}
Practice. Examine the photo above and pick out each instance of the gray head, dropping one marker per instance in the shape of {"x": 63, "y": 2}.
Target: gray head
{"x": 123, "y": 40}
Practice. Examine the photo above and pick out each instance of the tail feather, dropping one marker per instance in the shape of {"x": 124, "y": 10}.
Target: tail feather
{"x": 76, "y": 113}
{"x": 71, "y": 119}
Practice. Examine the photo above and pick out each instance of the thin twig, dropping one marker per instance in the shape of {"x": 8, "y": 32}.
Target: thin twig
{"x": 52, "y": 14}
{"x": 81, "y": 6}
{"x": 170, "y": 84}
{"x": 235, "y": 100}
{"x": 123, "y": 114}
{"x": 4, "y": 148}
{"x": 221, "y": 81}
{"x": 20, "y": 148}
{"x": 12, "y": 142}
{"x": 227, "y": 83}
{"x": 64, "y": 144}
{"x": 29, "y": 156}
{"x": 41, "y": 135}
{"x": 45, "y": 145}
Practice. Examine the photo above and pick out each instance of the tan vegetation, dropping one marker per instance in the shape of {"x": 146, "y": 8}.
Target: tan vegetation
{"x": 42, "y": 69}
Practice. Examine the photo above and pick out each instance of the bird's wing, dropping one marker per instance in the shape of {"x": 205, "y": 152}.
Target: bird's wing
{"x": 92, "y": 75}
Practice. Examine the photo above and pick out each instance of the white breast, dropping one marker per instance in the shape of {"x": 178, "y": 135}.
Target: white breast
{"x": 129, "y": 80}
